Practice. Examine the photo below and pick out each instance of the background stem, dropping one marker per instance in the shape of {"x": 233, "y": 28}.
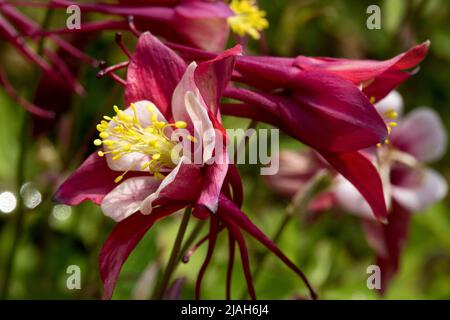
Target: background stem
{"x": 174, "y": 255}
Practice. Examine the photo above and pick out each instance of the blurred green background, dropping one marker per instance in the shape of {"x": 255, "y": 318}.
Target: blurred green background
{"x": 332, "y": 251}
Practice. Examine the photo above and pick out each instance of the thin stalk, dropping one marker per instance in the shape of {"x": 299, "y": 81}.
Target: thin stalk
{"x": 20, "y": 180}
{"x": 20, "y": 210}
{"x": 191, "y": 238}
{"x": 173, "y": 260}
{"x": 298, "y": 206}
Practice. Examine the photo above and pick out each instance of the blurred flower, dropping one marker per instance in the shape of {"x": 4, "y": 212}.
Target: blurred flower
{"x": 58, "y": 68}
{"x": 136, "y": 142}
{"x": 199, "y": 23}
{"x": 410, "y": 187}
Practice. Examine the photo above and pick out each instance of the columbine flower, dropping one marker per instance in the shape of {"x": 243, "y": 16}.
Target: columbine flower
{"x": 200, "y": 23}
{"x": 322, "y": 109}
{"x": 139, "y": 177}
{"x": 410, "y": 187}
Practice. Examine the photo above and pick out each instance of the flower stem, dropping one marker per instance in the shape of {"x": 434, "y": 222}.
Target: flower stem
{"x": 190, "y": 240}
{"x": 174, "y": 255}
{"x": 18, "y": 222}
{"x": 298, "y": 206}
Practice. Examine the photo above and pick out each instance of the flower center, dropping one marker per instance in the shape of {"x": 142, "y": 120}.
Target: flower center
{"x": 124, "y": 134}
{"x": 248, "y": 18}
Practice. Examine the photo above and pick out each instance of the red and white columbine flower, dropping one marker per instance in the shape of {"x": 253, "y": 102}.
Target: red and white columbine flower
{"x": 409, "y": 186}
{"x": 140, "y": 176}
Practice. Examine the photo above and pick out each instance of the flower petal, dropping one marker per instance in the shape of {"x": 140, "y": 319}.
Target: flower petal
{"x": 359, "y": 71}
{"x": 431, "y": 188}
{"x": 122, "y": 240}
{"x": 91, "y": 181}
{"x": 127, "y": 197}
{"x": 213, "y": 76}
{"x": 187, "y": 83}
{"x": 204, "y": 130}
{"x": 203, "y": 23}
{"x": 153, "y": 73}
{"x": 181, "y": 184}
{"x": 356, "y": 168}
{"x": 422, "y": 134}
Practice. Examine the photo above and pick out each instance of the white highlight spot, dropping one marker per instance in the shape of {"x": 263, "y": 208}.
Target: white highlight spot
{"x": 61, "y": 212}
{"x": 30, "y": 195}
{"x": 8, "y": 202}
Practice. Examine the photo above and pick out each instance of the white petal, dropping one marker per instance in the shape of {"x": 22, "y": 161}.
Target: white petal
{"x": 126, "y": 198}
{"x": 203, "y": 126}
{"x": 431, "y": 189}
{"x": 393, "y": 101}
{"x": 186, "y": 84}
{"x": 422, "y": 134}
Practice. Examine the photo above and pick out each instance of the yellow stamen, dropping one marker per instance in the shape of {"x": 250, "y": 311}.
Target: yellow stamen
{"x": 124, "y": 134}
{"x": 372, "y": 100}
{"x": 390, "y": 114}
{"x": 248, "y": 18}
{"x": 392, "y": 124}
{"x": 180, "y": 125}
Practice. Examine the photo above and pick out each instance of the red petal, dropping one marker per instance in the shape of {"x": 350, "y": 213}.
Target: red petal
{"x": 91, "y": 181}
{"x": 213, "y": 76}
{"x": 153, "y": 73}
{"x": 359, "y": 71}
{"x": 363, "y": 175}
{"x": 122, "y": 240}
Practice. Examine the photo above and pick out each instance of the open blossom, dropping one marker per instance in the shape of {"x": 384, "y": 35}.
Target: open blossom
{"x": 409, "y": 186}
{"x": 200, "y": 23}
{"x": 139, "y": 176}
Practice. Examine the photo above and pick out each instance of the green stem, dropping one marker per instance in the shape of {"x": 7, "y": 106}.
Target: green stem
{"x": 20, "y": 210}
{"x": 173, "y": 260}
{"x": 20, "y": 180}
{"x": 298, "y": 206}
{"x": 190, "y": 240}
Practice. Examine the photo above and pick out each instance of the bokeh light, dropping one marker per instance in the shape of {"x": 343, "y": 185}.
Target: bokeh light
{"x": 8, "y": 202}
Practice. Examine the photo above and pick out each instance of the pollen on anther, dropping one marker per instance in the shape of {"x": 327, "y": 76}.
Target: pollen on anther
{"x": 118, "y": 179}
{"x": 180, "y": 125}
{"x": 101, "y": 154}
{"x": 98, "y": 142}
